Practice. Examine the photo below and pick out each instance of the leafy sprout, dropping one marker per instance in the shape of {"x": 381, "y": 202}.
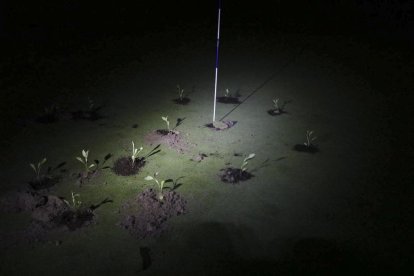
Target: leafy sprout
{"x": 276, "y": 104}
{"x": 76, "y": 203}
{"x": 84, "y": 161}
{"x": 135, "y": 152}
{"x": 165, "y": 119}
{"x": 180, "y": 92}
{"x": 37, "y": 168}
{"x": 309, "y": 138}
{"x": 160, "y": 184}
{"x": 243, "y": 167}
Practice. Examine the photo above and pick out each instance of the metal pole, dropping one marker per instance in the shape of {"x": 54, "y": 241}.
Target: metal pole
{"x": 217, "y": 56}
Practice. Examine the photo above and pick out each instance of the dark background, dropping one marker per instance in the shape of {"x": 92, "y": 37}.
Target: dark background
{"x": 43, "y": 19}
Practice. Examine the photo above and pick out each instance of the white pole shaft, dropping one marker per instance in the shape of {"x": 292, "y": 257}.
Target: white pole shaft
{"x": 217, "y": 51}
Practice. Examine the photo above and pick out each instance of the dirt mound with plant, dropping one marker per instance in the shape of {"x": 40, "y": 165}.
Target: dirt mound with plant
{"x": 146, "y": 216}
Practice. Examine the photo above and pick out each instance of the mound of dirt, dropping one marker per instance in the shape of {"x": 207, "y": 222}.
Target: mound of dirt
{"x": 172, "y": 139}
{"x": 234, "y": 175}
{"x": 146, "y": 215}
{"x": 124, "y": 166}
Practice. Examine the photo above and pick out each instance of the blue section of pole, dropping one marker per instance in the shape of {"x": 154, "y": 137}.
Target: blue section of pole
{"x": 218, "y": 33}
{"x": 217, "y": 56}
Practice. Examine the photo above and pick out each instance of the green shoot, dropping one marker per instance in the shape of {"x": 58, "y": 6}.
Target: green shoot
{"x": 75, "y": 202}
{"x": 227, "y": 94}
{"x": 165, "y": 119}
{"x": 84, "y": 161}
{"x": 135, "y": 152}
{"x": 91, "y": 104}
{"x": 37, "y": 168}
{"x": 243, "y": 167}
{"x": 160, "y": 184}
{"x": 309, "y": 138}
{"x": 276, "y": 104}
{"x": 180, "y": 92}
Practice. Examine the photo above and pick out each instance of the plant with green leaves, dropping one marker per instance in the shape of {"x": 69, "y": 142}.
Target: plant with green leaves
{"x": 37, "y": 168}
{"x": 165, "y": 119}
{"x": 84, "y": 161}
{"x": 276, "y": 104}
{"x": 135, "y": 152}
{"x": 243, "y": 167}
{"x": 309, "y": 138}
{"x": 76, "y": 203}
{"x": 180, "y": 92}
{"x": 227, "y": 94}
{"x": 160, "y": 184}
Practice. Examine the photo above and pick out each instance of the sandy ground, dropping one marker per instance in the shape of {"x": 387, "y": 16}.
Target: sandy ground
{"x": 344, "y": 209}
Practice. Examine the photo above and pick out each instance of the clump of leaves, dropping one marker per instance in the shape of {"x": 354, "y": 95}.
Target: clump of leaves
{"x": 309, "y": 138}
{"x": 84, "y": 161}
{"x": 135, "y": 152}
{"x": 243, "y": 167}
{"x": 160, "y": 184}
{"x": 165, "y": 119}
{"x": 180, "y": 92}
{"x": 37, "y": 168}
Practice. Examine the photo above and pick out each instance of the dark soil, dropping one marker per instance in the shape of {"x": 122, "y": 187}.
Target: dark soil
{"x": 90, "y": 115}
{"x": 228, "y": 100}
{"x": 45, "y": 182}
{"x": 164, "y": 132}
{"x": 124, "y": 166}
{"x": 275, "y": 112}
{"x": 303, "y": 148}
{"x": 48, "y": 118}
{"x": 229, "y": 124}
{"x": 172, "y": 139}
{"x": 86, "y": 176}
{"x": 21, "y": 201}
{"x": 147, "y": 216}
{"x": 182, "y": 101}
{"x": 234, "y": 175}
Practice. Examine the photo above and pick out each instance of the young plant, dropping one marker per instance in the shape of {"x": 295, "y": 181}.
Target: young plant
{"x": 75, "y": 202}
{"x": 227, "y": 94}
{"x": 165, "y": 119}
{"x": 243, "y": 167}
{"x": 84, "y": 161}
{"x": 309, "y": 138}
{"x": 180, "y": 92}
{"x": 135, "y": 152}
{"x": 160, "y": 184}
{"x": 276, "y": 104}
{"x": 37, "y": 168}
{"x": 91, "y": 105}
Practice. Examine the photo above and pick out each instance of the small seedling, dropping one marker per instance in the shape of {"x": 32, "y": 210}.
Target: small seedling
{"x": 91, "y": 105}
{"x": 165, "y": 119}
{"x": 37, "y": 168}
{"x": 160, "y": 184}
{"x": 227, "y": 94}
{"x": 135, "y": 152}
{"x": 243, "y": 167}
{"x": 51, "y": 110}
{"x": 276, "y": 104}
{"x": 76, "y": 203}
{"x": 180, "y": 92}
{"x": 309, "y": 138}
{"x": 84, "y": 161}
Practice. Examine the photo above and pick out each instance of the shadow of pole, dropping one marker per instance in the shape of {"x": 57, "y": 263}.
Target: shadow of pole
{"x": 271, "y": 77}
